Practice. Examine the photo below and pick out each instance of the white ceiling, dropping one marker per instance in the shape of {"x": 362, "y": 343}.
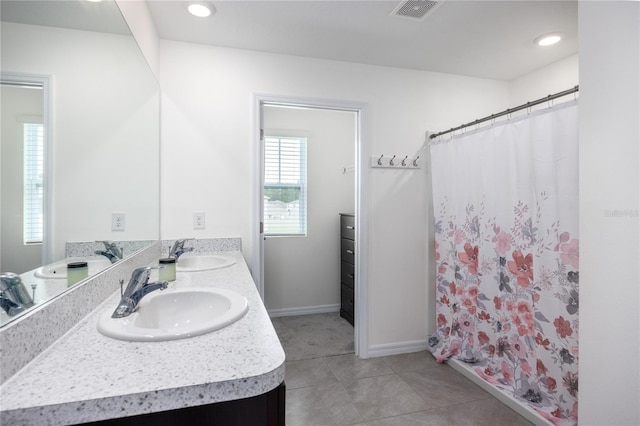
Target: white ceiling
{"x": 488, "y": 39}
{"x": 79, "y": 15}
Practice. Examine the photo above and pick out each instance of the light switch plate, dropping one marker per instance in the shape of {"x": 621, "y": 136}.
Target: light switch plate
{"x": 198, "y": 220}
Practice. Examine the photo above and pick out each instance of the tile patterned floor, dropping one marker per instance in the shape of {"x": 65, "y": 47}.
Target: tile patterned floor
{"x": 313, "y": 336}
{"x": 398, "y": 390}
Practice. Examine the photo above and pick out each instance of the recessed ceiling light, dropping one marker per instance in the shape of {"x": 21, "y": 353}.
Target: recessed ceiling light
{"x": 201, "y": 9}
{"x": 548, "y": 39}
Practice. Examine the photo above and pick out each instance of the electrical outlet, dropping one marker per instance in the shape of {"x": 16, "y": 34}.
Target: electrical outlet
{"x": 198, "y": 220}
{"x": 118, "y": 221}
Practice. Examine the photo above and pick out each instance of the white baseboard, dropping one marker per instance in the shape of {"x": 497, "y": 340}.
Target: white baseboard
{"x": 396, "y": 348}
{"x": 305, "y": 310}
{"x": 520, "y": 408}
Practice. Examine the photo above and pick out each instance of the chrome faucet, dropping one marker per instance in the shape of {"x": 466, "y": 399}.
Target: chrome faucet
{"x": 111, "y": 251}
{"x": 14, "y": 297}
{"x": 178, "y": 248}
{"x": 9, "y": 306}
{"x": 138, "y": 287}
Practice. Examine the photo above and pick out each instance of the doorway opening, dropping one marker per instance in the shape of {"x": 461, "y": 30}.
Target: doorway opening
{"x": 300, "y": 230}
{"x": 26, "y": 172}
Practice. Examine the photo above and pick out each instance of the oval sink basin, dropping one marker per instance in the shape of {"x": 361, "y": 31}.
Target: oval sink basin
{"x": 59, "y": 269}
{"x": 176, "y": 314}
{"x": 203, "y": 262}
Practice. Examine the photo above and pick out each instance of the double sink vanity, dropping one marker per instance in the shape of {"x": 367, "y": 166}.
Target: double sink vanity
{"x": 200, "y": 351}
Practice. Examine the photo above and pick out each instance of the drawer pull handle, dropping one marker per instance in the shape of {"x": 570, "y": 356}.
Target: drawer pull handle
{"x": 349, "y": 251}
{"x": 350, "y": 275}
{"x": 350, "y": 227}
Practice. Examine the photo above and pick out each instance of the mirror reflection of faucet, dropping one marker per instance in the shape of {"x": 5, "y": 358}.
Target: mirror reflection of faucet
{"x": 14, "y": 297}
{"x": 178, "y": 248}
{"x": 111, "y": 251}
{"x": 138, "y": 287}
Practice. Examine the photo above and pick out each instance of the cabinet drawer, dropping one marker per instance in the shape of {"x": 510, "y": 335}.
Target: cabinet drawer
{"x": 348, "y": 227}
{"x": 347, "y": 251}
{"x": 346, "y": 299}
{"x": 347, "y": 274}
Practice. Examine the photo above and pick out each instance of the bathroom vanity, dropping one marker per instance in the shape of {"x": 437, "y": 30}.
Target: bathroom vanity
{"x": 234, "y": 375}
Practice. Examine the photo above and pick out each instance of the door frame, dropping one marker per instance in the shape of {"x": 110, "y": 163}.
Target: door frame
{"x": 361, "y": 315}
{"x": 44, "y": 81}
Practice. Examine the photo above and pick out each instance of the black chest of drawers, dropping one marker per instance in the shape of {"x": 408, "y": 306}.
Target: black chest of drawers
{"x": 348, "y": 261}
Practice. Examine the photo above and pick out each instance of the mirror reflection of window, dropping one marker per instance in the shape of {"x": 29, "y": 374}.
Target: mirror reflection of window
{"x": 33, "y": 195}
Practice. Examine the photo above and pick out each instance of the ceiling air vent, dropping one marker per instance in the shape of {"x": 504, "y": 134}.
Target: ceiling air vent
{"x": 415, "y": 9}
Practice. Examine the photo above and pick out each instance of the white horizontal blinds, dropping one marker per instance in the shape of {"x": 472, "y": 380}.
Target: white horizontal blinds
{"x": 285, "y": 186}
{"x": 33, "y": 183}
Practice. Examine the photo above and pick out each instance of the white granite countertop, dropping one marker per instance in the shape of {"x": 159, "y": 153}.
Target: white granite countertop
{"x": 85, "y": 376}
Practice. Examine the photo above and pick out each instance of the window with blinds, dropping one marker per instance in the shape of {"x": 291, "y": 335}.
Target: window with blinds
{"x": 285, "y": 186}
{"x": 33, "y": 183}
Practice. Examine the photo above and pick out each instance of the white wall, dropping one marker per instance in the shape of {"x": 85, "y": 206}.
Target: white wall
{"x": 207, "y": 147}
{"x": 17, "y": 104}
{"x": 304, "y": 272}
{"x": 105, "y": 129}
{"x": 559, "y": 76}
{"x": 609, "y": 202}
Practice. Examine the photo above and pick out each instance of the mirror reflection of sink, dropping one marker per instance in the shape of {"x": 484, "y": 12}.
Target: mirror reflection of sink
{"x": 203, "y": 262}
{"x": 59, "y": 269}
{"x": 176, "y": 314}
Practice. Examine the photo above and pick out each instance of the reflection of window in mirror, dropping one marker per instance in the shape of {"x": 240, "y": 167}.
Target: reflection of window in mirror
{"x": 33, "y": 197}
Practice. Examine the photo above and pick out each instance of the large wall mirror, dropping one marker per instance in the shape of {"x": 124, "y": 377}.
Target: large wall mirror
{"x": 79, "y": 153}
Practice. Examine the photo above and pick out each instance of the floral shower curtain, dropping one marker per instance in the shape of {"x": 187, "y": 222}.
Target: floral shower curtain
{"x": 506, "y": 239}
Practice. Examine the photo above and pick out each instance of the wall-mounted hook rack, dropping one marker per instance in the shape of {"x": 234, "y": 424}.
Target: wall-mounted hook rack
{"x": 391, "y": 162}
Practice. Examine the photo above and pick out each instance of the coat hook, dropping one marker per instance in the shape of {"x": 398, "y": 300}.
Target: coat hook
{"x": 415, "y": 162}
{"x": 391, "y": 163}
{"x": 404, "y": 160}
{"x": 380, "y": 160}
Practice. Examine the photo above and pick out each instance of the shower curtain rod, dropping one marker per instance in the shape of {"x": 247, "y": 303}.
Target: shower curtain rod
{"x": 510, "y": 110}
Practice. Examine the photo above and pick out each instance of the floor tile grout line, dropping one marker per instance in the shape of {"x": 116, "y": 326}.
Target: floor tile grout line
{"x": 351, "y": 402}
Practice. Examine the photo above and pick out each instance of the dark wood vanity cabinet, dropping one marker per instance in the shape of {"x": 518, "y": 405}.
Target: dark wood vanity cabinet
{"x": 263, "y": 410}
{"x": 348, "y": 261}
